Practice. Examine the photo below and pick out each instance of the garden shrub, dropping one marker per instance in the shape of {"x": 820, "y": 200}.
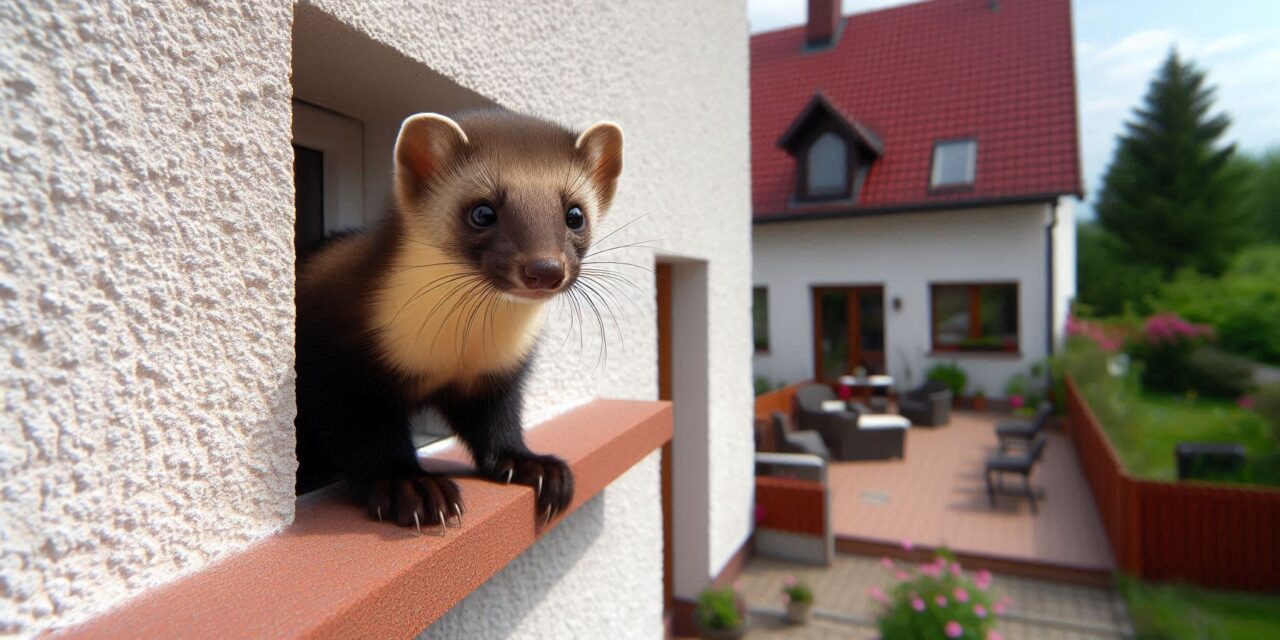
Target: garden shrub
{"x": 1165, "y": 349}
{"x": 1243, "y": 306}
{"x": 1266, "y": 402}
{"x": 937, "y": 600}
{"x": 1218, "y": 374}
{"x": 951, "y": 374}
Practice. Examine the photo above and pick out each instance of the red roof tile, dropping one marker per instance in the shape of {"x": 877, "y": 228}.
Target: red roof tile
{"x": 921, "y": 73}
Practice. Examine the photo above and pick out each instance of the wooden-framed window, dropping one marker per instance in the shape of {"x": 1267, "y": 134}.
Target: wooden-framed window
{"x": 974, "y": 317}
{"x": 760, "y": 318}
{"x": 955, "y": 164}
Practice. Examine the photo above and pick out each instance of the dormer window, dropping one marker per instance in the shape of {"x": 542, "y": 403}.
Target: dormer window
{"x": 833, "y": 153}
{"x": 827, "y": 164}
{"x": 955, "y": 163}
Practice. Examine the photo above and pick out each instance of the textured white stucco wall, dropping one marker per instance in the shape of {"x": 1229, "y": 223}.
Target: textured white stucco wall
{"x": 148, "y": 270}
{"x": 905, "y": 253}
{"x": 146, "y": 303}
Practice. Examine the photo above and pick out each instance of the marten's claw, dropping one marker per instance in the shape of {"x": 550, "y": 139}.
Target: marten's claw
{"x": 548, "y": 476}
{"x": 415, "y": 500}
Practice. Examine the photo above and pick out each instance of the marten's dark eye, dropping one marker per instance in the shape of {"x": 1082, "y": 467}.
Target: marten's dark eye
{"x": 574, "y": 218}
{"x": 483, "y": 216}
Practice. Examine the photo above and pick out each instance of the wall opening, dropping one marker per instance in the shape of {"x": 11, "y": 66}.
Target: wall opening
{"x": 350, "y": 95}
{"x": 684, "y": 342}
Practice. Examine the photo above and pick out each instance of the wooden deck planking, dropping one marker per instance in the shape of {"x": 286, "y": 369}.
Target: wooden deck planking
{"x": 936, "y": 497}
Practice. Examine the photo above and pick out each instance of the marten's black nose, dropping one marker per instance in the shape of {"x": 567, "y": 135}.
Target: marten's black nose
{"x": 543, "y": 273}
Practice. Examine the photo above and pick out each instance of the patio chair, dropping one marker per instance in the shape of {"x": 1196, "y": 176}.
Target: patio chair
{"x": 849, "y": 434}
{"x": 1022, "y": 431}
{"x": 788, "y": 441}
{"x": 1022, "y": 464}
{"x": 929, "y": 405}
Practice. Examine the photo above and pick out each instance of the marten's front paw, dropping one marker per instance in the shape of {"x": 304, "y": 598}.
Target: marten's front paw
{"x": 550, "y": 477}
{"x": 423, "y": 498}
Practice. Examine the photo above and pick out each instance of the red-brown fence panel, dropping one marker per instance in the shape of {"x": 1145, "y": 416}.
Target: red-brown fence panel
{"x": 1210, "y": 534}
{"x": 787, "y": 504}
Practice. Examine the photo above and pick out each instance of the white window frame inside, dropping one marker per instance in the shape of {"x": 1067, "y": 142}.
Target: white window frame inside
{"x": 341, "y": 139}
{"x": 955, "y": 163}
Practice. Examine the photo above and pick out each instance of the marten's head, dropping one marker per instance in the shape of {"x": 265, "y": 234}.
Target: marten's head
{"x": 513, "y": 198}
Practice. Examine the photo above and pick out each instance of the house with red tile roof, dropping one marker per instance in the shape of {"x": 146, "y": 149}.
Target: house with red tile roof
{"x": 914, "y": 174}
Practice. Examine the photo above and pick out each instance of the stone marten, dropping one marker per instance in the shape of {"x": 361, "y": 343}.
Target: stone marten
{"x": 440, "y": 305}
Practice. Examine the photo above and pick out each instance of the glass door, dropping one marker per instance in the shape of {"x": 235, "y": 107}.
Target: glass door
{"x": 848, "y": 331}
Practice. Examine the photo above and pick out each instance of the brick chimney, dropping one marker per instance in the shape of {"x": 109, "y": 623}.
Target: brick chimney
{"x": 824, "y": 22}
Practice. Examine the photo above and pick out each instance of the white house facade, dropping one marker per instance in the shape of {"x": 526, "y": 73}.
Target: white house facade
{"x": 904, "y": 257}
{"x": 919, "y": 210}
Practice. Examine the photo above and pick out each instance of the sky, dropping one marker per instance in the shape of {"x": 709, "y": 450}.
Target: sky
{"x": 1119, "y": 45}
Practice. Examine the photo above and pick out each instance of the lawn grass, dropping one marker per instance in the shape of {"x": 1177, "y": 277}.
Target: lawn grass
{"x": 1176, "y": 612}
{"x": 1159, "y": 422}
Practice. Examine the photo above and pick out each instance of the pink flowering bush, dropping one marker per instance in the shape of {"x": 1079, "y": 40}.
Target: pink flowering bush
{"x": 1165, "y": 348}
{"x": 937, "y": 600}
{"x": 1108, "y": 337}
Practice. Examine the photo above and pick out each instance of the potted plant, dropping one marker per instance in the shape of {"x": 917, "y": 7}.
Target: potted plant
{"x": 937, "y": 600}
{"x": 721, "y": 614}
{"x": 979, "y": 399}
{"x": 950, "y": 374}
{"x": 799, "y": 599}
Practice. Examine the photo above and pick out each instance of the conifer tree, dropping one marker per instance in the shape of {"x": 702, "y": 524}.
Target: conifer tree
{"x": 1171, "y": 197}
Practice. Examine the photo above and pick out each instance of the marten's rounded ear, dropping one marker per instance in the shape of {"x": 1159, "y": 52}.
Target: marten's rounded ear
{"x": 601, "y": 146}
{"x": 426, "y": 143}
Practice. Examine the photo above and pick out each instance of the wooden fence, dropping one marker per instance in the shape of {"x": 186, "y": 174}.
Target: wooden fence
{"x": 777, "y": 400}
{"x": 1211, "y": 534}
{"x": 787, "y": 504}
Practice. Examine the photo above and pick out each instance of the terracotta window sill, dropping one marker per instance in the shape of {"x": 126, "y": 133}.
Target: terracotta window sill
{"x": 336, "y": 573}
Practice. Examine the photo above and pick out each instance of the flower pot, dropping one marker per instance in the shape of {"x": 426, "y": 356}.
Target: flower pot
{"x": 798, "y": 612}
{"x": 979, "y": 403}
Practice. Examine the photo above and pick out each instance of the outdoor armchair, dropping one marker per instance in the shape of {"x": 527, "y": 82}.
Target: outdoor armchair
{"x": 1021, "y": 464}
{"x": 788, "y": 441}
{"x": 1022, "y": 431}
{"x": 848, "y": 434}
{"x": 929, "y": 405}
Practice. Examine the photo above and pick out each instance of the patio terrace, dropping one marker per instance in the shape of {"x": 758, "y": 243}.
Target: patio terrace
{"x": 936, "y": 496}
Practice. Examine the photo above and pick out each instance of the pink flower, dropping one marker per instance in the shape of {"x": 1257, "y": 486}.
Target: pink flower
{"x": 878, "y": 595}
{"x": 980, "y": 611}
{"x": 994, "y": 635}
{"x": 941, "y": 600}
{"x": 956, "y": 570}
{"x": 907, "y": 544}
{"x": 786, "y": 597}
{"x": 954, "y": 629}
{"x": 886, "y": 562}
{"x": 917, "y": 604}
{"x": 960, "y": 594}
{"x": 790, "y": 581}
{"x": 1000, "y": 607}
{"x": 931, "y": 570}
{"x": 983, "y": 579}
{"x": 1246, "y": 402}
{"x": 1017, "y": 401}
{"x": 903, "y": 576}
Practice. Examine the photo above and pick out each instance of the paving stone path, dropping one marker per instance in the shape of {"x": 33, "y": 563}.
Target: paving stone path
{"x": 1041, "y": 610}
